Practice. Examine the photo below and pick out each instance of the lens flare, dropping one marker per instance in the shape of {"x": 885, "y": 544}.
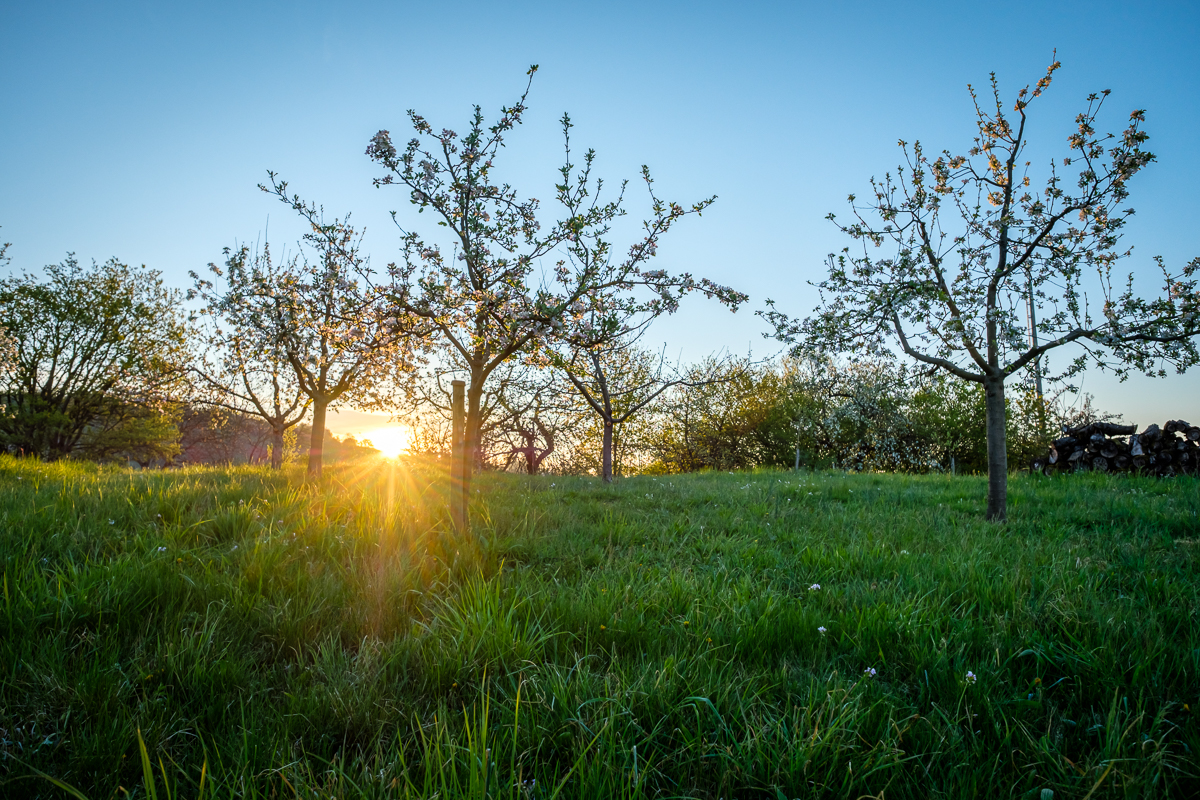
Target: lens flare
{"x": 391, "y": 441}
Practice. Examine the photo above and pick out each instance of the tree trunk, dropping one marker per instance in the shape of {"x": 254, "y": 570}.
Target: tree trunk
{"x": 277, "y": 447}
{"x": 536, "y": 458}
{"x": 607, "y": 452}
{"x": 317, "y": 439}
{"x": 997, "y": 454}
{"x": 471, "y": 444}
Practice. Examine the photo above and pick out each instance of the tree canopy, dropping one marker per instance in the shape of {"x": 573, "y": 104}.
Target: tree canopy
{"x": 90, "y": 350}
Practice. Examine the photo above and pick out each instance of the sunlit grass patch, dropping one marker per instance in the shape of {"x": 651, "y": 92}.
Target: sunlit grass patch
{"x": 709, "y": 635}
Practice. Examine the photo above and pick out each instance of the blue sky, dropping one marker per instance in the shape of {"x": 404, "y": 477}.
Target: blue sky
{"x": 140, "y": 130}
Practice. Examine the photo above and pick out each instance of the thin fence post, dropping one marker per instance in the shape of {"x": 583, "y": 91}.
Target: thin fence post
{"x": 797, "y": 467}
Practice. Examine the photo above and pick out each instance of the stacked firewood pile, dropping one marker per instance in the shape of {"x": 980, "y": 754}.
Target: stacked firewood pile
{"x": 1173, "y": 449}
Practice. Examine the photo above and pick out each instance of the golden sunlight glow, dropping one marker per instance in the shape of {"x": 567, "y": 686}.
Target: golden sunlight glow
{"x": 391, "y": 441}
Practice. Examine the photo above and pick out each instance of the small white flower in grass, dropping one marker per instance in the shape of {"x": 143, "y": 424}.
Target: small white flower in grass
{"x": 821, "y": 630}
{"x": 235, "y": 548}
{"x": 162, "y": 549}
{"x": 869, "y": 672}
{"x": 816, "y": 587}
{"x": 112, "y": 522}
{"x": 970, "y": 679}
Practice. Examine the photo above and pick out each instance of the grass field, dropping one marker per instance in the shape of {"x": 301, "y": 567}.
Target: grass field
{"x": 230, "y": 633}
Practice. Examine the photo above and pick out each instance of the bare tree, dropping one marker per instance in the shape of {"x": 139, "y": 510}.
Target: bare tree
{"x": 619, "y": 379}
{"x": 537, "y": 410}
{"x": 211, "y": 434}
{"x": 8, "y": 342}
{"x": 954, "y": 290}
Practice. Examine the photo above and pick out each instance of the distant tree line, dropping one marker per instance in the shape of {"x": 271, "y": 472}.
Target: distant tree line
{"x": 85, "y": 377}
{"x": 543, "y": 318}
{"x": 736, "y": 414}
{"x": 93, "y": 361}
{"x": 103, "y": 362}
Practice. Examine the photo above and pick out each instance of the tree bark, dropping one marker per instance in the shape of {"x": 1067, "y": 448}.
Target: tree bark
{"x": 607, "y": 452}
{"x": 277, "y": 447}
{"x": 317, "y": 439}
{"x": 997, "y": 455}
{"x": 537, "y": 458}
{"x": 471, "y": 444}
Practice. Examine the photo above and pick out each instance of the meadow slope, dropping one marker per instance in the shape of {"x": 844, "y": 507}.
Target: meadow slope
{"x": 232, "y": 633}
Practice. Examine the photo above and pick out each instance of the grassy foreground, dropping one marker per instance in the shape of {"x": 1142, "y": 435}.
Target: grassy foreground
{"x": 230, "y": 633}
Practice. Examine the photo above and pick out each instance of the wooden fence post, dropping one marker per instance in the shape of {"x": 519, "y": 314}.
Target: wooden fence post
{"x": 458, "y": 500}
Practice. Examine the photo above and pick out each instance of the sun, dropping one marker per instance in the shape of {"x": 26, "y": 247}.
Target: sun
{"x": 391, "y": 441}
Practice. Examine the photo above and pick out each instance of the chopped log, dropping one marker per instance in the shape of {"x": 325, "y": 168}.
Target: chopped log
{"x": 1173, "y": 449}
{"x": 1105, "y": 428}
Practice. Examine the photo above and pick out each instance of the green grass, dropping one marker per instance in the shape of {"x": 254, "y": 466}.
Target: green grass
{"x": 230, "y": 633}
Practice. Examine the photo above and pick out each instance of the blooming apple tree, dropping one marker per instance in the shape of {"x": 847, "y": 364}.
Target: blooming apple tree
{"x": 483, "y": 291}
{"x": 318, "y": 310}
{"x": 983, "y": 274}
{"x": 241, "y": 369}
